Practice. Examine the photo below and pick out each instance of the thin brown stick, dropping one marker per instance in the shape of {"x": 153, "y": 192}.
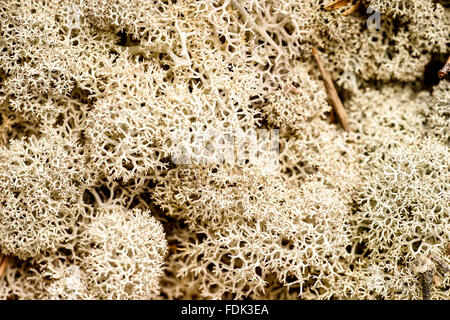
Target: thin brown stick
{"x": 332, "y": 93}
{"x": 445, "y": 69}
{"x": 336, "y": 4}
{"x": 3, "y": 263}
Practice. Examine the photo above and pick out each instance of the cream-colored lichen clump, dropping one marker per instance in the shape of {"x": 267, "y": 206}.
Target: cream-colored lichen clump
{"x": 190, "y": 150}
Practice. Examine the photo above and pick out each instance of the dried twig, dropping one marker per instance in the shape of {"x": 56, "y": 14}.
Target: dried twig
{"x": 428, "y": 268}
{"x": 427, "y": 280}
{"x": 332, "y": 93}
{"x": 3, "y": 263}
{"x": 445, "y": 69}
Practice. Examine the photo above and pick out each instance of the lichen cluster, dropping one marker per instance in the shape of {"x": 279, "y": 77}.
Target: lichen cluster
{"x": 113, "y": 114}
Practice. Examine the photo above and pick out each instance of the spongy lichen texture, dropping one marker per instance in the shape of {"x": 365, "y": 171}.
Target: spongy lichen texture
{"x": 41, "y": 183}
{"x": 125, "y": 130}
{"x": 122, "y": 254}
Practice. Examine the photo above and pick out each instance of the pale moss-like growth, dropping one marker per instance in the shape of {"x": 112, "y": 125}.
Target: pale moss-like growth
{"x": 47, "y": 49}
{"x": 387, "y": 118}
{"x": 404, "y": 209}
{"x": 320, "y": 152}
{"x": 41, "y": 185}
{"x": 125, "y": 129}
{"x": 65, "y": 274}
{"x": 437, "y": 111}
{"x": 172, "y": 286}
{"x": 189, "y": 194}
{"x": 31, "y": 279}
{"x": 110, "y": 110}
{"x": 122, "y": 254}
{"x": 252, "y": 225}
{"x": 133, "y": 16}
{"x": 400, "y": 49}
{"x": 403, "y": 173}
{"x": 19, "y": 281}
{"x": 404, "y": 7}
{"x": 69, "y": 283}
{"x": 34, "y": 55}
{"x": 311, "y": 148}
{"x": 275, "y": 32}
{"x": 143, "y": 118}
{"x": 14, "y": 126}
{"x": 302, "y": 99}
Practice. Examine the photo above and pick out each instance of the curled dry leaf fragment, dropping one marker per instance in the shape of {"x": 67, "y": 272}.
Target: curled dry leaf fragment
{"x": 341, "y": 3}
{"x": 336, "y": 4}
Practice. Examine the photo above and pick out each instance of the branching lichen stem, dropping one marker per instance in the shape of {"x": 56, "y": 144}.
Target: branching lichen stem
{"x": 258, "y": 28}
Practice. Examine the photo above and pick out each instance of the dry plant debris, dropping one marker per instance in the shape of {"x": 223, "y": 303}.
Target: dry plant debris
{"x": 341, "y": 3}
{"x": 332, "y": 93}
{"x": 428, "y": 270}
{"x": 3, "y": 263}
{"x": 126, "y": 168}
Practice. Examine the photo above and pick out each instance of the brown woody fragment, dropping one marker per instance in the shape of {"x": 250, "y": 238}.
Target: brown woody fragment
{"x": 3, "y": 263}
{"x": 336, "y": 4}
{"x": 332, "y": 93}
{"x": 445, "y": 69}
